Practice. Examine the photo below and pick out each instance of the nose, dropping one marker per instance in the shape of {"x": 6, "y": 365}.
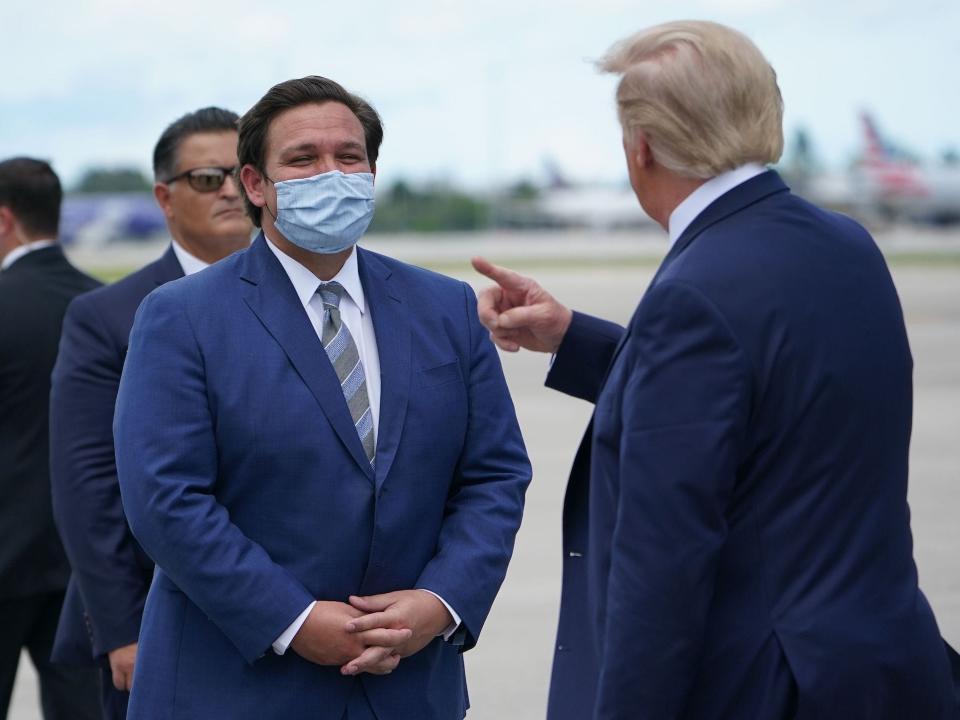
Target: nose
{"x": 229, "y": 188}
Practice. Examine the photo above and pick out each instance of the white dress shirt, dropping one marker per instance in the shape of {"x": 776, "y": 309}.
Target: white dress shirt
{"x": 189, "y": 263}
{"x": 698, "y": 201}
{"x": 354, "y": 314}
{"x": 17, "y": 253}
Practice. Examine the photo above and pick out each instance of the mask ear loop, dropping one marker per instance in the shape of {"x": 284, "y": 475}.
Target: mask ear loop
{"x": 271, "y": 213}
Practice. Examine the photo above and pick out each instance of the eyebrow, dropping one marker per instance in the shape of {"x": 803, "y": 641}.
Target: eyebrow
{"x": 351, "y": 145}
{"x": 311, "y": 147}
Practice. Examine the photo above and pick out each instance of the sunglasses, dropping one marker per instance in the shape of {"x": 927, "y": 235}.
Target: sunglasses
{"x": 205, "y": 179}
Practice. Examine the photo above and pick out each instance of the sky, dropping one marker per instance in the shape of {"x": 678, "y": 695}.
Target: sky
{"x": 477, "y": 93}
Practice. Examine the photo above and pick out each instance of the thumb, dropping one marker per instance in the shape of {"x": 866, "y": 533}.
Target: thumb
{"x": 520, "y": 318}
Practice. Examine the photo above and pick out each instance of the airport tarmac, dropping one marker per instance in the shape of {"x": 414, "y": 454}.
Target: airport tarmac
{"x": 508, "y": 672}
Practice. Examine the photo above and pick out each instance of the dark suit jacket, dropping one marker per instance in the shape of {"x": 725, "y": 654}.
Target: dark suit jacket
{"x": 737, "y": 536}
{"x": 111, "y": 573}
{"x": 34, "y": 294}
{"x": 243, "y": 477}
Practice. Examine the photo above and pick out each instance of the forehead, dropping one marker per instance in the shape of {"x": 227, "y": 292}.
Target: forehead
{"x": 322, "y": 124}
{"x": 208, "y": 149}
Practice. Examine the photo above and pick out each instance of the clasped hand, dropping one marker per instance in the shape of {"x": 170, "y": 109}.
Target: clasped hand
{"x": 371, "y": 634}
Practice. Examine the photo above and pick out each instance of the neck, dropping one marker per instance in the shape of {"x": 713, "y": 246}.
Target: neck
{"x": 668, "y": 190}
{"x": 12, "y": 242}
{"x": 325, "y": 267}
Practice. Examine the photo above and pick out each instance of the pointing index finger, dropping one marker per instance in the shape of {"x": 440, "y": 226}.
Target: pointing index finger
{"x": 507, "y": 279}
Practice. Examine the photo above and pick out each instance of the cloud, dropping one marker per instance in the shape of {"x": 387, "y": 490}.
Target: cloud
{"x": 476, "y": 90}
{"x": 742, "y": 6}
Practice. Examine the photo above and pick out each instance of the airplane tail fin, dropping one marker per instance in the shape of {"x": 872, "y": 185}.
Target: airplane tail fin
{"x": 876, "y": 151}
{"x": 893, "y": 175}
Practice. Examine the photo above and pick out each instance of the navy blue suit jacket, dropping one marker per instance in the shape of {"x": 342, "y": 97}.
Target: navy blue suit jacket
{"x": 243, "y": 476}
{"x": 35, "y": 291}
{"x": 110, "y": 572}
{"x": 737, "y": 536}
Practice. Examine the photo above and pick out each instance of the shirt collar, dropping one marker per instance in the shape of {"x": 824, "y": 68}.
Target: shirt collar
{"x": 189, "y": 263}
{"x": 701, "y": 198}
{"x": 19, "y": 252}
{"x": 305, "y": 283}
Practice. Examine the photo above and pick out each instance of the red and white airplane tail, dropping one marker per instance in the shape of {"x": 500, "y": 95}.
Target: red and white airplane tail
{"x": 890, "y": 177}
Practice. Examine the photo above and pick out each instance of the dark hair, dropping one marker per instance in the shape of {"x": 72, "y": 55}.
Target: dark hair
{"x": 208, "y": 119}
{"x": 31, "y": 189}
{"x": 290, "y": 94}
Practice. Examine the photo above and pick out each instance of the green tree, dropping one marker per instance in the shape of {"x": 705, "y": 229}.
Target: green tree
{"x": 115, "y": 180}
{"x": 433, "y": 208}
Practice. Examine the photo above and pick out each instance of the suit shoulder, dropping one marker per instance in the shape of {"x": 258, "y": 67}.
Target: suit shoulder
{"x": 8, "y": 285}
{"x": 118, "y": 300}
{"x": 773, "y": 235}
{"x": 208, "y": 285}
{"x": 416, "y": 276}
{"x": 119, "y": 292}
{"x": 66, "y": 278}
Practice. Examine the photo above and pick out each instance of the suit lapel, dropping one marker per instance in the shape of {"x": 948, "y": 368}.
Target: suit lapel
{"x": 731, "y": 202}
{"x": 167, "y": 267}
{"x": 391, "y": 323}
{"x": 273, "y": 300}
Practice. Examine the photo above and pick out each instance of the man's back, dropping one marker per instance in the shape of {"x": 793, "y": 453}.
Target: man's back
{"x": 34, "y": 294}
{"x": 814, "y": 602}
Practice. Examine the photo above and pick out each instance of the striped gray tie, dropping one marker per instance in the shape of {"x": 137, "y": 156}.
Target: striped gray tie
{"x": 345, "y": 359}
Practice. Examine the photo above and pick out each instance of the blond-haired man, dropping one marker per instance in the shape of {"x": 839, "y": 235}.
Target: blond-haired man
{"x": 736, "y": 532}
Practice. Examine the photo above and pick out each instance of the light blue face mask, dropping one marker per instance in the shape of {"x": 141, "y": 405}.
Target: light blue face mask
{"x": 326, "y": 213}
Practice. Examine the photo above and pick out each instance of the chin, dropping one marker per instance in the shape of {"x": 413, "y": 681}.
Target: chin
{"x": 232, "y": 227}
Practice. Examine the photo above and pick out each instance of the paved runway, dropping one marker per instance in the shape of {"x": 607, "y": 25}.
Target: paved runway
{"x": 508, "y": 672}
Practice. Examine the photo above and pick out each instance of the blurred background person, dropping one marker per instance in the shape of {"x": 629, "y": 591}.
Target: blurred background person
{"x": 193, "y": 161}
{"x": 36, "y": 285}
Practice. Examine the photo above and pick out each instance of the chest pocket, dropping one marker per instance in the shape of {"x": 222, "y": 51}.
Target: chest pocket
{"x": 444, "y": 374}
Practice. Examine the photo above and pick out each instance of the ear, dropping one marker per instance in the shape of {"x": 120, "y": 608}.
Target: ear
{"x": 373, "y": 170}
{"x": 7, "y": 221}
{"x": 640, "y": 147}
{"x": 253, "y": 184}
{"x": 161, "y": 192}
{"x": 9, "y": 235}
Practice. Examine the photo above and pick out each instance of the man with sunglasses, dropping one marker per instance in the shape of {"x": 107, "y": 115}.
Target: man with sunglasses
{"x": 193, "y": 165}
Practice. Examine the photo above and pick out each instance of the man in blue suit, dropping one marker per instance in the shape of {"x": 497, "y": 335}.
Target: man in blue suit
{"x": 736, "y": 532}
{"x": 193, "y": 164}
{"x": 316, "y": 445}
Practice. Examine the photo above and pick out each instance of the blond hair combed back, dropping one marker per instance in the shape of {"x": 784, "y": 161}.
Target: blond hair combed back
{"x": 703, "y": 95}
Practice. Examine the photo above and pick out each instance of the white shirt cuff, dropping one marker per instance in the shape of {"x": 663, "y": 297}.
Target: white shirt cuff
{"x": 452, "y": 627}
{"x": 281, "y": 644}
